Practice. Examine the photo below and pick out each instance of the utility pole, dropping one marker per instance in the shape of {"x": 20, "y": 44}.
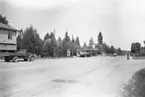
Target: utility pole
{"x": 54, "y": 32}
{"x": 54, "y": 45}
{"x": 144, "y": 47}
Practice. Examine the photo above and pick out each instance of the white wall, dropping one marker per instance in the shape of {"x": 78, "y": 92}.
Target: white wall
{"x": 8, "y": 47}
{"x": 4, "y": 39}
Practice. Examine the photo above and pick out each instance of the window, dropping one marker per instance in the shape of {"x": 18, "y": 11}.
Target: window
{"x": 9, "y": 35}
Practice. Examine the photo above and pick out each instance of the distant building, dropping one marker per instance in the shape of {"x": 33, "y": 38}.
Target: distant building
{"x": 8, "y": 40}
{"x": 92, "y": 51}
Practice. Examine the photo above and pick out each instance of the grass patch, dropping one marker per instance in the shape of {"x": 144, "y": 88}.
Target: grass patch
{"x": 135, "y": 86}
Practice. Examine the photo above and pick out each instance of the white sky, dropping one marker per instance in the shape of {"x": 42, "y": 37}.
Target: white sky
{"x": 121, "y": 21}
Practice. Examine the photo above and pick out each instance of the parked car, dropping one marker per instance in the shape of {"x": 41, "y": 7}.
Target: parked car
{"x": 21, "y": 54}
{"x": 84, "y": 54}
{"x": 115, "y": 54}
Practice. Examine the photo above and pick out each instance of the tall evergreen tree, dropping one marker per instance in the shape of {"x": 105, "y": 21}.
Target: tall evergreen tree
{"x": 112, "y": 49}
{"x": 85, "y": 45}
{"x": 20, "y": 40}
{"x": 65, "y": 43}
{"x": 47, "y": 47}
{"x": 59, "y": 41}
{"x": 31, "y": 40}
{"x": 60, "y": 46}
{"x": 67, "y": 38}
{"x": 91, "y": 42}
{"x": 100, "y": 38}
{"x": 51, "y": 35}
{"x": 53, "y": 45}
{"x": 46, "y": 36}
{"x": 78, "y": 41}
{"x": 73, "y": 39}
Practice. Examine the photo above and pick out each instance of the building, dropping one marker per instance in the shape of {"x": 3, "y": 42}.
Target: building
{"x": 91, "y": 51}
{"x": 8, "y": 40}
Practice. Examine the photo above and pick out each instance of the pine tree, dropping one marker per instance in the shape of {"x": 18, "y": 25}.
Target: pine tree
{"x": 73, "y": 39}
{"x": 112, "y": 49}
{"x": 91, "y": 42}
{"x": 85, "y": 45}
{"x": 65, "y": 43}
{"x": 67, "y": 38}
{"x": 60, "y": 47}
{"x": 51, "y": 35}
{"x": 100, "y": 38}
{"x": 77, "y": 41}
{"x": 53, "y": 45}
{"x": 46, "y": 36}
{"x": 20, "y": 41}
{"x": 31, "y": 40}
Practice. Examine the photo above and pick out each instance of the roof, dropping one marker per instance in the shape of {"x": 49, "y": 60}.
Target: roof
{"x": 89, "y": 49}
{"x": 7, "y": 27}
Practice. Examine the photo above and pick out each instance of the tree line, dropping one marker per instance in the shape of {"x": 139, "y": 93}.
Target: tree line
{"x": 51, "y": 46}
{"x": 48, "y": 46}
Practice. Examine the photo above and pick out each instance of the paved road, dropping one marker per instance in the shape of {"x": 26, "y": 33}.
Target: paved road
{"x": 69, "y": 77}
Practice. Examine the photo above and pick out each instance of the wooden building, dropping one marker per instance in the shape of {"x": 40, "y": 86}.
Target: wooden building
{"x": 8, "y": 40}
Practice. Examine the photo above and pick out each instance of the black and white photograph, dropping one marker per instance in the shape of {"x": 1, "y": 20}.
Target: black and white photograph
{"x": 72, "y": 48}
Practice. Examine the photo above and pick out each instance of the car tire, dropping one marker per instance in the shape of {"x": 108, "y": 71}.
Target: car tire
{"x": 7, "y": 59}
{"x": 32, "y": 58}
{"x": 15, "y": 59}
{"x": 25, "y": 59}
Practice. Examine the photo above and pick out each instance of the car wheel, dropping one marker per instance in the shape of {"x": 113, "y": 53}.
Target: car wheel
{"x": 15, "y": 59}
{"x": 32, "y": 58}
{"x": 7, "y": 59}
{"x": 25, "y": 59}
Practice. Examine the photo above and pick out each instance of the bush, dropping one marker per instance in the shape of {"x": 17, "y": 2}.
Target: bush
{"x": 142, "y": 54}
{"x": 139, "y": 54}
{"x": 136, "y": 85}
